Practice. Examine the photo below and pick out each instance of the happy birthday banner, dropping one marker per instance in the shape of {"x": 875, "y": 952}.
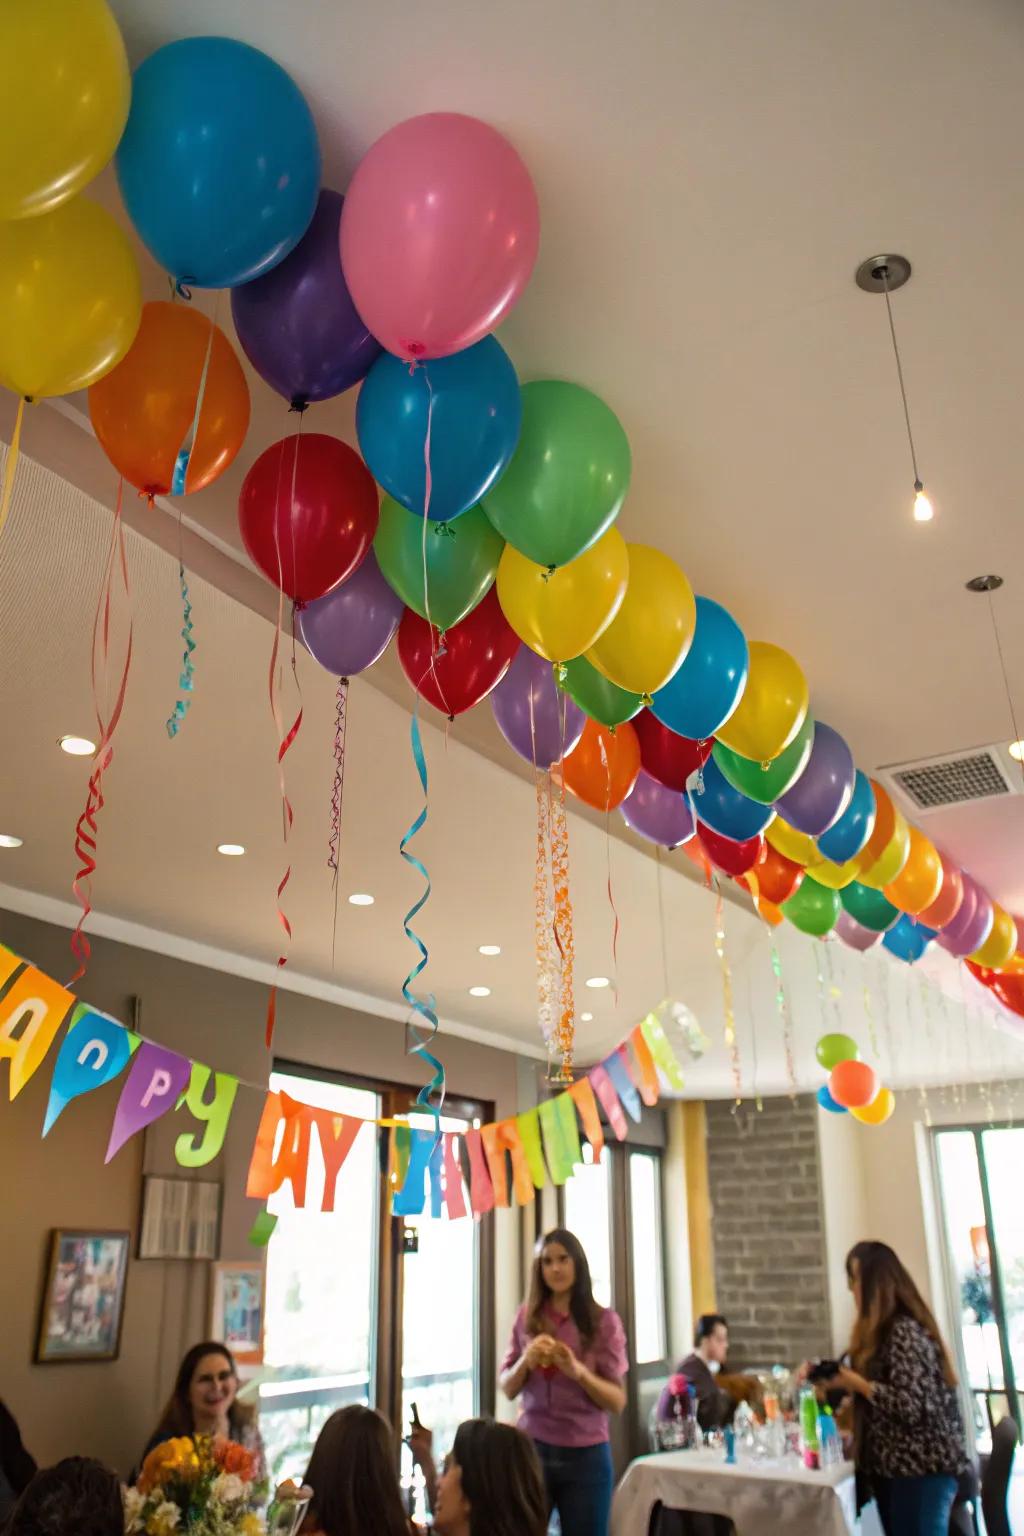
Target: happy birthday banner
{"x": 541, "y": 1143}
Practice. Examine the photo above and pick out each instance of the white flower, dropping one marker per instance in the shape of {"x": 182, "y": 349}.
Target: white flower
{"x": 133, "y": 1501}
{"x": 167, "y": 1515}
{"x": 228, "y": 1488}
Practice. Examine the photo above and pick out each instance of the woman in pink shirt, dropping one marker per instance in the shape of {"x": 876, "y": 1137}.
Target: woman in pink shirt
{"x": 566, "y": 1360}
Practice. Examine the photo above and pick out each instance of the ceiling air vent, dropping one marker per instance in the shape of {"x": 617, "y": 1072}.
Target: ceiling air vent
{"x": 955, "y": 779}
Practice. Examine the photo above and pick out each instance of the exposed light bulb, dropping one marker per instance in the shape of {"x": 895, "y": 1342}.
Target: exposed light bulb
{"x": 1016, "y": 751}
{"x": 923, "y": 509}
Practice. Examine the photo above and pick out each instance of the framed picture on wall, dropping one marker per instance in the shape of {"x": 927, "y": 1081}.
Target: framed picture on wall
{"x": 236, "y": 1310}
{"x": 83, "y": 1298}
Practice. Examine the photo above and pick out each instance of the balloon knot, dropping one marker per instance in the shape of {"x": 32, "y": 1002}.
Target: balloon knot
{"x": 646, "y": 700}
{"x": 548, "y": 572}
{"x": 451, "y": 719}
{"x": 30, "y": 399}
{"x": 300, "y": 604}
{"x": 298, "y": 405}
{"x": 415, "y": 349}
{"x": 563, "y": 674}
{"x": 182, "y": 289}
{"x": 148, "y": 495}
{"x": 444, "y": 530}
{"x": 766, "y": 765}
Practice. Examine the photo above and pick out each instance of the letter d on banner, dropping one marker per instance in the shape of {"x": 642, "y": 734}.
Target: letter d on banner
{"x": 155, "y": 1083}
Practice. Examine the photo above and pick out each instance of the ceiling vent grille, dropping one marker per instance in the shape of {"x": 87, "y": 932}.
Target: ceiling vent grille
{"x": 955, "y": 779}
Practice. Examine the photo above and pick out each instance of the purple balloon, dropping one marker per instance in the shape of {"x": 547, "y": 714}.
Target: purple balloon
{"x": 297, "y": 323}
{"x": 661, "y": 815}
{"x": 854, "y": 934}
{"x": 536, "y": 717}
{"x": 349, "y": 628}
{"x": 972, "y": 924}
{"x": 824, "y": 789}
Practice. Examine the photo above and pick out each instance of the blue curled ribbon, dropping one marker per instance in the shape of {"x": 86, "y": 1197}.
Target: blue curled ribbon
{"x": 425, "y": 1007}
{"x": 185, "y": 682}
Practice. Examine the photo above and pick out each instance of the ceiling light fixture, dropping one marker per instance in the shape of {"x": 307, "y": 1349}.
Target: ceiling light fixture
{"x": 489, "y": 949}
{"x": 1016, "y": 751}
{"x": 76, "y": 746}
{"x": 231, "y": 850}
{"x": 987, "y": 585}
{"x": 884, "y": 274}
{"x": 8, "y": 841}
{"x": 585, "y": 1018}
{"x": 479, "y": 991}
{"x": 360, "y": 899}
{"x": 598, "y": 981}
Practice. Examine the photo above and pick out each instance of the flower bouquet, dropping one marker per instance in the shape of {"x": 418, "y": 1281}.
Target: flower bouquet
{"x": 195, "y": 1486}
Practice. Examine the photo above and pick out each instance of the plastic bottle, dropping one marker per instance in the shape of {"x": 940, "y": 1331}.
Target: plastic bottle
{"x": 774, "y": 1428}
{"x": 693, "y": 1426}
{"x": 828, "y": 1435}
{"x": 809, "y": 1441}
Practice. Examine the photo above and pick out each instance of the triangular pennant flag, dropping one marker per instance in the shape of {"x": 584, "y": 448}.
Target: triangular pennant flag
{"x": 481, "y": 1193}
{"x": 529, "y": 1135}
{"x": 650, "y": 1089}
{"x": 609, "y": 1099}
{"x": 152, "y": 1087}
{"x": 582, "y": 1094}
{"x": 454, "y": 1197}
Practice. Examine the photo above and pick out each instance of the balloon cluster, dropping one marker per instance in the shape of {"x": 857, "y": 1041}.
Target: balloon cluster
{"x": 853, "y": 1086}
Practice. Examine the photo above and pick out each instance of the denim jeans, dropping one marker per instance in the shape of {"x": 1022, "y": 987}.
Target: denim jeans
{"x": 579, "y": 1485}
{"x": 915, "y": 1506}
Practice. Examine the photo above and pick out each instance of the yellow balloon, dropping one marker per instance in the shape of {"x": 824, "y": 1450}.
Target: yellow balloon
{"x": 879, "y": 1110}
{"x": 648, "y": 638}
{"x": 70, "y": 299}
{"x": 835, "y": 876}
{"x": 772, "y": 707}
{"x": 791, "y": 843}
{"x": 65, "y": 89}
{"x": 891, "y": 859}
{"x": 561, "y": 613}
{"x": 1001, "y": 942}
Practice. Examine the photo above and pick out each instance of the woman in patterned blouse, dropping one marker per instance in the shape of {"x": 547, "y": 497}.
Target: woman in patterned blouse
{"x": 910, "y": 1437}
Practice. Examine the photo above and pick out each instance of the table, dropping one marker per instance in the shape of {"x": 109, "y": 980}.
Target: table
{"x": 761, "y": 1498}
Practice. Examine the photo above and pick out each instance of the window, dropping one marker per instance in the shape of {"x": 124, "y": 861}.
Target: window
{"x": 648, "y": 1268}
{"x": 588, "y": 1216}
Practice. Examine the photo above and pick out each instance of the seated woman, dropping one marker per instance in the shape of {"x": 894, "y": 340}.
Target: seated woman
{"x": 205, "y": 1402}
{"x": 491, "y": 1485}
{"x": 77, "y": 1495}
{"x": 354, "y": 1478}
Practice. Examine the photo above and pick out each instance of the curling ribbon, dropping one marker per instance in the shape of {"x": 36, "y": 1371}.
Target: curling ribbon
{"x": 543, "y": 911}
{"x": 425, "y": 1007}
{"x": 181, "y": 706}
{"x": 285, "y": 740}
{"x": 782, "y": 1004}
{"x": 87, "y": 828}
{"x": 181, "y": 463}
{"x": 563, "y": 931}
{"x": 731, "y": 1042}
{"x": 608, "y": 851}
{"x": 435, "y": 1168}
{"x": 11, "y": 465}
{"x": 338, "y": 787}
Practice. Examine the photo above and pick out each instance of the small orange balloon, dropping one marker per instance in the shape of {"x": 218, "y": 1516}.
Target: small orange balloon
{"x": 777, "y": 876}
{"x": 853, "y": 1084}
{"x": 920, "y": 880}
{"x": 144, "y": 409}
{"x": 603, "y": 766}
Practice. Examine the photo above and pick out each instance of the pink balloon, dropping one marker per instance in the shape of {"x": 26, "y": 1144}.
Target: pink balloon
{"x": 439, "y": 234}
{"x": 972, "y": 924}
{"x": 854, "y": 934}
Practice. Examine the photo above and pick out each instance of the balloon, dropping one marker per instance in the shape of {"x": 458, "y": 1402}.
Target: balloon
{"x": 835, "y": 876}
{"x": 474, "y": 657}
{"x": 307, "y": 511}
{"x": 603, "y": 767}
{"x": 730, "y": 857}
{"x": 812, "y": 908}
{"x": 705, "y": 690}
{"x": 767, "y": 781}
{"x": 439, "y": 234}
{"x": 144, "y": 409}
{"x": 879, "y": 1110}
{"x": 824, "y": 789}
{"x": 64, "y": 94}
{"x": 853, "y": 935}
{"x": 723, "y": 808}
{"x": 772, "y": 707}
{"x": 560, "y": 613}
{"x": 777, "y": 876}
{"x": 219, "y": 167}
{"x": 595, "y": 695}
{"x": 888, "y": 847}
{"x": 350, "y": 627}
{"x": 972, "y": 924}
{"x": 1010, "y": 992}
{"x": 568, "y": 476}
{"x": 826, "y": 1101}
{"x": 297, "y": 324}
{"x": 907, "y": 940}
{"x": 535, "y": 717}
{"x": 792, "y": 844}
{"x": 845, "y": 838}
{"x": 661, "y": 815}
{"x": 667, "y": 757}
{"x": 868, "y": 907}
{"x": 70, "y": 302}
{"x": 920, "y": 880}
{"x": 651, "y": 633}
{"x": 766, "y": 910}
{"x": 474, "y": 407}
{"x": 951, "y": 894}
{"x": 832, "y": 1049}
{"x": 461, "y": 561}
{"x": 853, "y": 1084}
{"x": 1001, "y": 942}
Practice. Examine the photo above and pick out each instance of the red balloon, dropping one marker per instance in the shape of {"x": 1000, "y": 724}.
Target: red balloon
{"x": 665, "y": 756}
{"x": 1010, "y": 992}
{"x": 730, "y": 857}
{"x": 853, "y": 1084}
{"x": 777, "y": 877}
{"x": 457, "y": 672}
{"x": 308, "y": 512}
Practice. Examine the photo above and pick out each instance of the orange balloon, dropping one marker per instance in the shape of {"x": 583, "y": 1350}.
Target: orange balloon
{"x": 603, "y": 766}
{"x": 920, "y": 880}
{"x": 949, "y": 900}
{"x": 143, "y": 410}
{"x": 853, "y": 1084}
{"x": 777, "y": 876}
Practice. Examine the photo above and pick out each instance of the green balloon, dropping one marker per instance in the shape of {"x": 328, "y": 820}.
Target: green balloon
{"x": 812, "y": 908}
{"x": 869, "y": 907}
{"x": 832, "y": 1049}
{"x": 603, "y": 701}
{"x": 462, "y": 560}
{"x": 766, "y": 782}
{"x": 568, "y": 476}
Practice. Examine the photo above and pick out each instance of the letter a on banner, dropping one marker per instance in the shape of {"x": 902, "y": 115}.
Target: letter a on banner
{"x": 31, "y": 1012}
{"x": 269, "y": 1170}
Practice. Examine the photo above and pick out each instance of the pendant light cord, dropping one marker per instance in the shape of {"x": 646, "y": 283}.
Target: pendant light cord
{"x": 884, "y": 274}
{"x": 1002, "y": 668}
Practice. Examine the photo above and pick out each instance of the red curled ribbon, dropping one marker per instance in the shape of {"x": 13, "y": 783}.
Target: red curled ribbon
{"x": 285, "y": 741}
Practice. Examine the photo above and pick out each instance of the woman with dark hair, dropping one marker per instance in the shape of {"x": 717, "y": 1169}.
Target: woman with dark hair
{"x": 354, "y": 1478}
{"x": 205, "y": 1402}
{"x": 77, "y": 1495}
{"x": 491, "y": 1484}
{"x": 567, "y": 1358}
{"x": 909, "y": 1436}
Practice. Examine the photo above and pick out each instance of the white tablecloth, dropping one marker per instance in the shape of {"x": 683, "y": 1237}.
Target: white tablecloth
{"x": 761, "y": 1498}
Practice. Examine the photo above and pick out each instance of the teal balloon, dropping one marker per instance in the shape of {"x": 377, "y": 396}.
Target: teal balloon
{"x": 907, "y": 940}
{"x": 602, "y": 700}
{"x": 868, "y": 907}
{"x": 708, "y": 686}
{"x": 812, "y": 908}
{"x": 765, "y": 782}
{"x": 826, "y": 1101}
{"x": 845, "y": 839}
{"x": 568, "y": 476}
{"x": 461, "y": 559}
{"x": 724, "y": 809}
{"x": 93, "y": 1052}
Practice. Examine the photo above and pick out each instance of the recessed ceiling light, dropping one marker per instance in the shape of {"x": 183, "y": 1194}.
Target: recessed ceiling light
{"x": 598, "y": 981}
{"x": 489, "y": 949}
{"x": 360, "y": 899}
{"x": 1016, "y": 751}
{"x": 479, "y": 991}
{"x": 77, "y": 746}
{"x": 231, "y": 850}
{"x": 585, "y": 1018}
{"x": 7, "y": 841}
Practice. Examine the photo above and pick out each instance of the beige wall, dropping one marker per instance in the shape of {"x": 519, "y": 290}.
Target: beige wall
{"x": 841, "y": 1144}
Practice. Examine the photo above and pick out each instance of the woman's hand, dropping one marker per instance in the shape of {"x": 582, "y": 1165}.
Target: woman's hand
{"x": 850, "y": 1381}
{"x": 539, "y": 1352}
{"x": 420, "y": 1441}
{"x": 563, "y": 1357}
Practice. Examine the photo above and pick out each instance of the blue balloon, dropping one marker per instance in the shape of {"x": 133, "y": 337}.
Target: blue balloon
{"x": 908, "y": 940}
{"x": 846, "y": 837}
{"x": 723, "y": 808}
{"x": 93, "y": 1052}
{"x": 707, "y": 687}
{"x": 826, "y": 1101}
{"x": 219, "y": 166}
{"x": 474, "y": 426}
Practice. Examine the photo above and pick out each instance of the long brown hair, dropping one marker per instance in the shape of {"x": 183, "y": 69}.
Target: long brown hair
{"x": 886, "y": 1293}
{"x": 583, "y": 1309}
{"x": 353, "y": 1475}
{"x": 176, "y": 1418}
{"x": 501, "y": 1480}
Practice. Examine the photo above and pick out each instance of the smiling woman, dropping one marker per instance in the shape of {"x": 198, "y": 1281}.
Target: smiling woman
{"x": 204, "y": 1401}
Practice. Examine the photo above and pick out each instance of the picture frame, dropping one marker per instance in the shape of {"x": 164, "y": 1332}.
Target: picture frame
{"x": 237, "y": 1293}
{"x": 180, "y": 1218}
{"x": 82, "y": 1305}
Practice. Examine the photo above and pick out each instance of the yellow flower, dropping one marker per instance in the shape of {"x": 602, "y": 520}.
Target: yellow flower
{"x": 251, "y": 1525}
